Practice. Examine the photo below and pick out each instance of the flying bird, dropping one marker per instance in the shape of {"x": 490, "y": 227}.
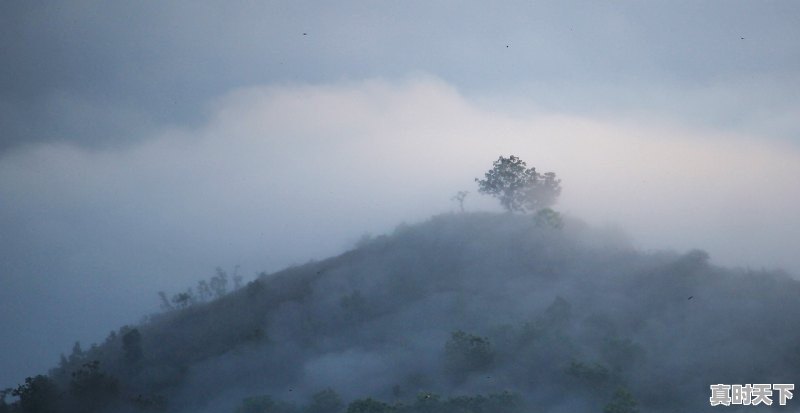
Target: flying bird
{"x": 690, "y": 297}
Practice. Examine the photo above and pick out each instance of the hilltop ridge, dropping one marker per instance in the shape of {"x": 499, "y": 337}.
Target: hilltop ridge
{"x": 562, "y": 318}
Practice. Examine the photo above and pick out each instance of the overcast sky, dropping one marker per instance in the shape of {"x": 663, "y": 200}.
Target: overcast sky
{"x": 142, "y": 144}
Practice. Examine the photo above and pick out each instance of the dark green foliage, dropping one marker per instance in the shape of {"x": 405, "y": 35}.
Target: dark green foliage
{"x": 218, "y": 284}
{"x": 519, "y": 188}
{"x": 466, "y": 353}
{"x": 214, "y": 288}
{"x": 354, "y": 306}
{"x": 431, "y": 403}
{"x": 151, "y": 403}
{"x": 258, "y": 404}
{"x": 93, "y": 389}
{"x": 256, "y": 287}
{"x": 621, "y": 402}
{"x": 426, "y": 403}
{"x": 112, "y": 337}
{"x": 622, "y": 354}
{"x": 502, "y": 275}
{"x": 184, "y": 299}
{"x": 325, "y": 401}
{"x": 38, "y": 395}
{"x": 77, "y": 354}
{"x": 204, "y": 292}
{"x": 494, "y": 403}
{"x": 594, "y": 377}
{"x": 370, "y": 405}
{"x": 265, "y": 404}
{"x": 548, "y": 218}
{"x": 132, "y": 346}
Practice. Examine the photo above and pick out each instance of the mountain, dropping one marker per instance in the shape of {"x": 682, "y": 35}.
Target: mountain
{"x": 472, "y": 312}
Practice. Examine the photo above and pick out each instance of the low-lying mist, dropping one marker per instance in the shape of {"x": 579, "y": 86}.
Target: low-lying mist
{"x": 281, "y": 174}
{"x": 272, "y": 205}
{"x": 495, "y": 311}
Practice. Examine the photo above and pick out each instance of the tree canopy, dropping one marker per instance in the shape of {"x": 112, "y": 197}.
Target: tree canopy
{"x": 519, "y": 188}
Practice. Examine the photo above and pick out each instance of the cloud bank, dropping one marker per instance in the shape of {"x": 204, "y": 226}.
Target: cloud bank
{"x": 105, "y": 75}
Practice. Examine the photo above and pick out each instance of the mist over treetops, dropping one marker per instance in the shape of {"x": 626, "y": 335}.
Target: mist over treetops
{"x": 492, "y": 311}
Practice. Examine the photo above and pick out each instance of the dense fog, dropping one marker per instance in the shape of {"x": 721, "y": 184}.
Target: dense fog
{"x": 149, "y": 148}
{"x": 280, "y": 175}
{"x": 532, "y": 314}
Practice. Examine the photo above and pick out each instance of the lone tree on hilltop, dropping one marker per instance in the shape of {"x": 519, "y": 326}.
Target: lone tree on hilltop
{"x": 519, "y": 188}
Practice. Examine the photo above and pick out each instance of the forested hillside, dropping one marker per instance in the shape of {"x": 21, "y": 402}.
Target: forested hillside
{"x": 470, "y": 312}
